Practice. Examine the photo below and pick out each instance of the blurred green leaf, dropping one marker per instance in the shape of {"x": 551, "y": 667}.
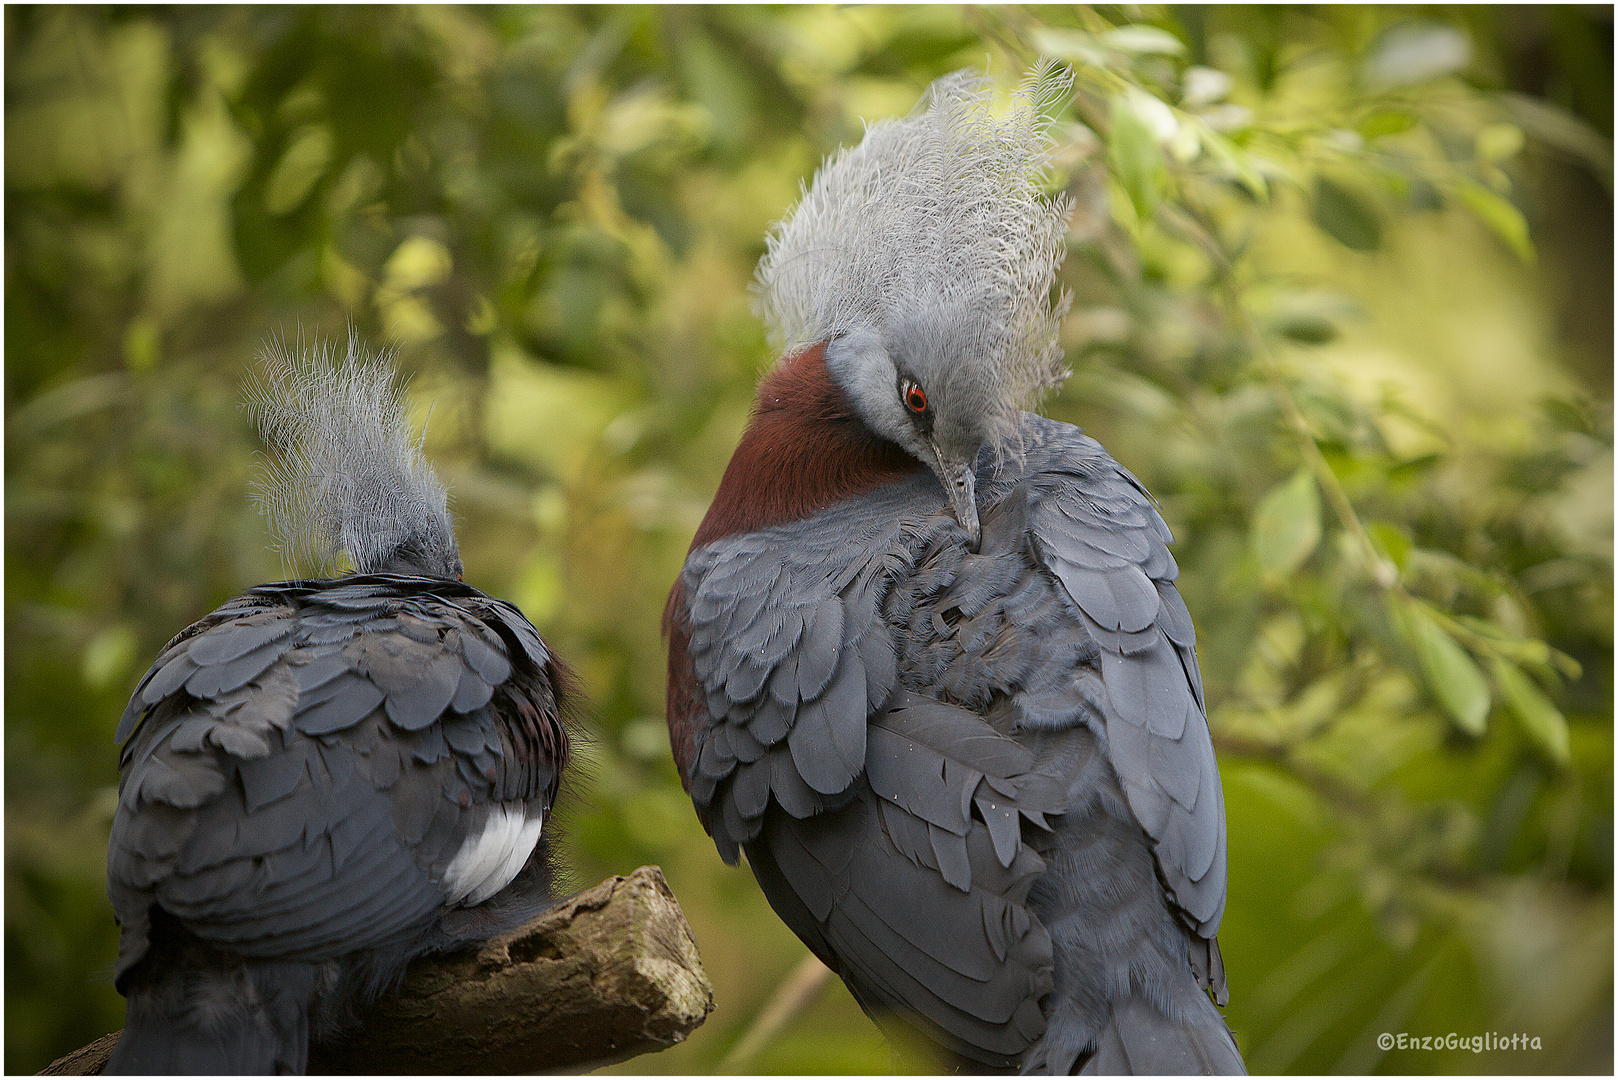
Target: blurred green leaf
{"x": 1307, "y": 327}
{"x": 1542, "y": 721}
{"x": 1345, "y": 216}
{"x": 1066, "y": 44}
{"x": 108, "y": 655}
{"x": 1141, "y": 38}
{"x": 1502, "y": 218}
{"x": 1136, "y": 158}
{"x": 1450, "y": 672}
{"x": 1238, "y": 160}
{"x": 1386, "y": 122}
{"x": 307, "y": 156}
{"x": 1204, "y": 85}
{"x": 1496, "y": 142}
{"x": 548, "y": 415}
{"x": 1392, "y": 541}
{"x": 1286, "y": 526}
{"x": 1416, "y": 52}
{"x": 1555, "y": 126}
{"x": 417, "y": 262}
{"x": 1312, "y": 318}
{"x": 1511, "y": 645}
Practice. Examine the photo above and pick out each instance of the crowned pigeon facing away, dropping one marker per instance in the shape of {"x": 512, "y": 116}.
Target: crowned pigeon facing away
{"x": 928, "y": 667}
{"x": 324, "y": 779}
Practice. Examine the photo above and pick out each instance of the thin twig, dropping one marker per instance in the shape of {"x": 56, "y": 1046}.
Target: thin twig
{"x": 795, "y": 994}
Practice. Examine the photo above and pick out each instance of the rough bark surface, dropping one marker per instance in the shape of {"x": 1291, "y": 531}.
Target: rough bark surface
{"x": 608, "y": 974}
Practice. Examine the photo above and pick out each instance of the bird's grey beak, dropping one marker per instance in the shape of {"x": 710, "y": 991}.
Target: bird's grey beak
{"x": 961, "y": 483}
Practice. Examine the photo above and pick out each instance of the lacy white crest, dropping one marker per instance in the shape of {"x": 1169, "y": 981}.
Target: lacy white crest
{"x": 348, "y": 478}
{"x": 938, "y": 218}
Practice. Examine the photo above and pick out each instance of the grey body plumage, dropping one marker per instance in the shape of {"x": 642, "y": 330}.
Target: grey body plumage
{"x": 955, "y": 720}
{"x": 323, "y": 779}
{"x": 1009, "y": 738}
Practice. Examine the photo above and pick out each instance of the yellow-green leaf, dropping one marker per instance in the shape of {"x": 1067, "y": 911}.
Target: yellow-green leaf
{"x": 1393, "y": 542}
{"x": 1141, "y": 38}
{"x": 1496, "y": 142}
{"x": 1236, "y": 158}
{"x": 1286, "y": 527}
{"x": 1505, "y": 220}
{"x": 1455, "y": 680}
{"x": 416, "y": 263}
{"x": 1386, "y": 122}
{"x": 307, "y": 155}
{"x": 107, "y": 656}
{"x": 1543, "y": 721}
{"x": 1136, "y": 157}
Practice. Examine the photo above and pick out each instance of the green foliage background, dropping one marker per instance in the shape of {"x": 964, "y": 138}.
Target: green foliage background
{"x": 1343, "y": 292}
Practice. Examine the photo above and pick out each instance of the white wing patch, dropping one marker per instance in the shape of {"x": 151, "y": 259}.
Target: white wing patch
{"x": 488, "y": 860}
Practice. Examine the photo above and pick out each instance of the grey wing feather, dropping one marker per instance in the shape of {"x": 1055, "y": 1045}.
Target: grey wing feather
{"x": 1098, "y": 533}
{"x": 789, "y": 658}
{"x": 884, "y": 803}
{"x": 971, "y": 972}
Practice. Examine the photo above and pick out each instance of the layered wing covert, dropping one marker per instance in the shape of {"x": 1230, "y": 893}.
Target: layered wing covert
{"x": 1096, "y": 530}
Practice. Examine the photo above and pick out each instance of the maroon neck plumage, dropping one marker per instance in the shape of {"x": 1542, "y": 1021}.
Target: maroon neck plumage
{"x": 804, "y": 450}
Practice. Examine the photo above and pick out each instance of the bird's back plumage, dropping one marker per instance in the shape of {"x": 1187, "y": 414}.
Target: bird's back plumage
{"x": 320, "y": 781}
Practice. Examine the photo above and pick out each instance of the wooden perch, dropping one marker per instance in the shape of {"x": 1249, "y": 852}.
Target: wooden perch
{"x": 609, "y": 974}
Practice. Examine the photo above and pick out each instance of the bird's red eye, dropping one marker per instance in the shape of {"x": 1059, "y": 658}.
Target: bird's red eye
{"x": 915, "y": 398}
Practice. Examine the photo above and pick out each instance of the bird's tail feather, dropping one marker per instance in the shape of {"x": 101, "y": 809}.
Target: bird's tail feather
{"x": 1138, "y": 1040}
{"x": 157, "y": 1049}
{"x": 253, "y": 1020}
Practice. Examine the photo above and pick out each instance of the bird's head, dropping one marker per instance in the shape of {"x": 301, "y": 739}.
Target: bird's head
{"x": 925, "y": 258}
{"x": 911, "y": 386}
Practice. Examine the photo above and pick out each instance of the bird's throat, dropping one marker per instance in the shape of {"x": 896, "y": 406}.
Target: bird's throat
{"x": 804, "y": 450}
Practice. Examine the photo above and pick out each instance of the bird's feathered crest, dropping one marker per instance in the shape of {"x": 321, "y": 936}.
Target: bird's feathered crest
{"x": 349, "y": 479}
{"x": 945, "y": 210}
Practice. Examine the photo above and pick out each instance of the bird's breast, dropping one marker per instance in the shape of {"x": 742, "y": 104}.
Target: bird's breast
{"x": 989, "y": 630}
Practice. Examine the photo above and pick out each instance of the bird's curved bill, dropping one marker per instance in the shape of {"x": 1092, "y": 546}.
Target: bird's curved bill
{"x": 961, "y": 483}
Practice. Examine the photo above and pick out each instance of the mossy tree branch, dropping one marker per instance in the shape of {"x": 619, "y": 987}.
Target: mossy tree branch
{"x": 608, "y": 974}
